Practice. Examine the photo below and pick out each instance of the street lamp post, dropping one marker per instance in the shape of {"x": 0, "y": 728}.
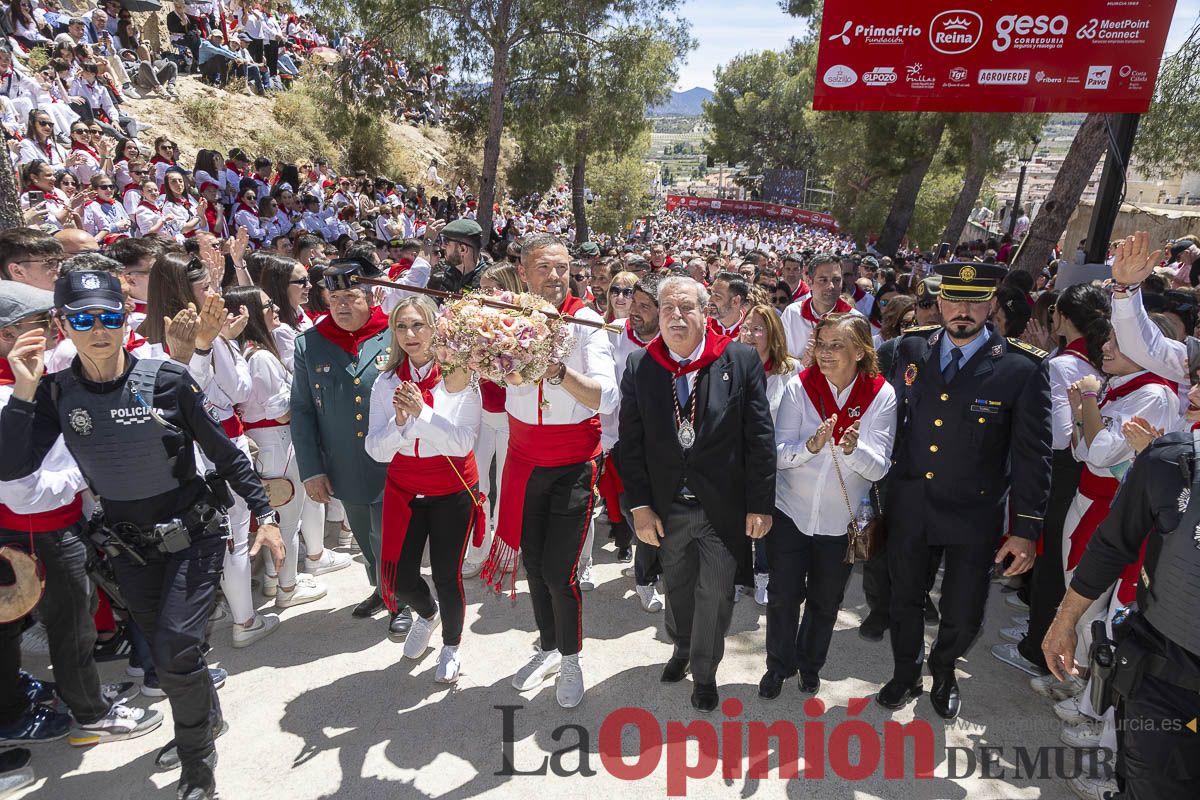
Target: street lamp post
{"x": 1025, "y": 151}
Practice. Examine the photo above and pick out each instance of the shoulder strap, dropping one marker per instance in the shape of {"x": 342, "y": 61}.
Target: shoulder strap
{"x": 142, "y": 378}
{"x": 1191, "y": 515}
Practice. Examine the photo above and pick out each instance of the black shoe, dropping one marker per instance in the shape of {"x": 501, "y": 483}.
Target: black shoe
{"x": 168, "y": 756}
{"x": 810, "y": 684}
{"x": 944, "y": 696}
{"x": 705, "y": 697}
{"x": 369, "y": 607}
{"x": 197, "y": 781}
{"x": 897, "y": 693}
{"x": 400, "y": 625}
{"x": 932, "y": 617}
{"x": 674, "y": 670}
{"x": 38, "y": 724}
{"x": 37, "y": 691}
{"x": 624, "y": 555}
{"x": 115, "y": 649}
{"x": 770, "y": 685}
{"x": 874, "y": 627}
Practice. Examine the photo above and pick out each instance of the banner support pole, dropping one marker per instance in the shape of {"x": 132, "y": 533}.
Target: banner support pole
{"x": 1111, "y": 189}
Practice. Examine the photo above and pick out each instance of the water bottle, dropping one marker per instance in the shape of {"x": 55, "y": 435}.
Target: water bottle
{"x": 865, "y": 513}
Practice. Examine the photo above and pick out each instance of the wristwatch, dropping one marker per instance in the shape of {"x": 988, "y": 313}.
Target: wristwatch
{"x": 558, "y": 379}
{"x": 270, "y": 518}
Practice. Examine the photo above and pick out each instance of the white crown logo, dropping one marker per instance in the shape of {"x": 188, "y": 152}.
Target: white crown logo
{"x": 956, "y": 24}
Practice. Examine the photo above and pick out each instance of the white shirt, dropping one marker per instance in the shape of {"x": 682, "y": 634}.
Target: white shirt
{"x": 1144, "y": 344}
{"x": 1065, "y": 369}
{"x": 222, "y": 374}
{"x": 51, "y": 486}
{"x": 101, "y": 217}
{"x": 797, "y": 328}
{"x": 285, "y": 341}
{"x": 270, "y": 394}
{"x": 775, "y": 387}
{"x": 622, "y": 346}
{"x": 416, "y": 275}
{"x": 1157, "y": 404}
{"x": 591, "y": 355}
{"x": 807, "y": 487}
{"x": 449, "y": 428}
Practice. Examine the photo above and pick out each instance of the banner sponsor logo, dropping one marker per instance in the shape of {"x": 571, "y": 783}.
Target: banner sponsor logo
{"x": 874, "y": 34}
{"x": 1114, "y": 31}
{"x": 1097, "y": 77}
{"x": 1003, "y": 77}
{"x": 917, "y": 79}
{"x": 880, "y": 76}
{"x": 954, "y": 32}
{"x": 839, "y": 76}
{"x": 1025, "y": 32}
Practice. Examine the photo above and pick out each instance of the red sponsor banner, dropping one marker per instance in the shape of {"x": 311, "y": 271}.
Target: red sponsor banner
{"x": 966, "y": 55}
{"x": 751, "y": 208}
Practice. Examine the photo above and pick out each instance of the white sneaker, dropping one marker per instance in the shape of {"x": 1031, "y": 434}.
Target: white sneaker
{"x": 585, "y": 579}
{"x": 328, "y": 562}
{"x": 448, "y": 665}
{"x": 35, "y": 642}
{"x": 543, "y": 664}
{"x": 220, "y": 615}
{"x": 306, "y": 590}
{"x": 121, "y": 722}
{"x": 264, "y": 625}
{"x": 570, "y": 681}
{"x": 1068, "y": 711}
{"x": 1014, "y": 634}
{"x": 1089, "y": 788}
{"x": 270, "y": 584}
{"x": 346, "y": 537}
{"x": 417, "y": 641}
{"x": 1051, "y": 687}
{"x": 1083, "y": 735}
{"x": 760, "y": 587}
{"x": 652, "y": 601}
{"x": 470, "y": 569}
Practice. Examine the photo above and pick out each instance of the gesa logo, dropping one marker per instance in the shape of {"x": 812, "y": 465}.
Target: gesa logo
{"x": 1028, "y": 29}
{"x": 954, "y": 32}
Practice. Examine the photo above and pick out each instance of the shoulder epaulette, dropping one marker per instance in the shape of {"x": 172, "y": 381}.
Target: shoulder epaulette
{"x": 922, "y": 330}
{"x": 1028, "y": 348}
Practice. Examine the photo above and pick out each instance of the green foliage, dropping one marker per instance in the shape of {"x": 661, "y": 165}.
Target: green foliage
{"x": 622, "y": 187}
{"x": 1166, "y": 142}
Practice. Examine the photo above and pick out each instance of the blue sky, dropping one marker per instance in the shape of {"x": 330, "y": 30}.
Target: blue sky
{"x": 726, "y": 28}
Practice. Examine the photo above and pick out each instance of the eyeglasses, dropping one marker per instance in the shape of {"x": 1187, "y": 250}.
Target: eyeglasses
{"x": 45, "y": 123}
{"x": 51, "y": 264}
{"x": 139, "y": 172}
{"x": 908, "y": 322}
{"x": 301, "y": 282}
{"x": 105, "y": 187}
{"x": 110, "y": 320}
{"x": 782, "y": 300}
{"x": 926, "y": 303}
{"x": 621, "y": 291}
{"x": 95, "y": 131}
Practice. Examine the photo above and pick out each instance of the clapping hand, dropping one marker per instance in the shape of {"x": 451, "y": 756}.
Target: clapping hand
{"x": 821, "y": 435}
{"x": 180, "y": 333}
{"x": 849, "y": 441}
{"x": 235, "y": 324}
{"x": 408, "y": 399}
{"x": 1133, "y": 261}
{"x": 27, "y": 359}
{"x": 212, "y": 319}
{"x": 1139, "y": 433}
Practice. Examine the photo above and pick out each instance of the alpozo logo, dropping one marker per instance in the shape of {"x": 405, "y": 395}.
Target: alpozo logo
{"x": 839, "y": 76}
{"x": 1026, "y": 32}
{"x": 954, "y": 32}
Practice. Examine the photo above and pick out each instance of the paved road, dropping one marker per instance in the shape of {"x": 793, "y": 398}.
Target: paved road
{"x": 327, "y": 707}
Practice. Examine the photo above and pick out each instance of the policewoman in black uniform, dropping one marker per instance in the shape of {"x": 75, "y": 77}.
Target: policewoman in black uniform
{"x": 1157, "y": 657}
{"x": 130, "y": 425}
{"x": 973, "y": 411}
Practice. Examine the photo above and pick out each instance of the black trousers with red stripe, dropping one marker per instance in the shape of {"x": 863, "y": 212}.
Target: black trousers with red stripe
{"x": 558, "y": 507}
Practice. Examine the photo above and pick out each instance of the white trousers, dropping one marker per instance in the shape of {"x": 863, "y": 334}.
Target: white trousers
{"x": 235, "y": 579}
{"x": 493, "y": 443}
{"x": 276, "y": 459}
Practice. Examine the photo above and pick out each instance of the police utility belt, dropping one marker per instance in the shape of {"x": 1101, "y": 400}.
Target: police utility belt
{"x": 173, "y": 536}
{"x": 1119, "y": 664}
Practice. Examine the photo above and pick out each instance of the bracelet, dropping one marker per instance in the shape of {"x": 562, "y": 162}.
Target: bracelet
{"x": 1089, "y": 394}
{"x": 1126, "y": 288}
{"x": 808, "y": 446}
{"x": 559, "y": 378}
{"x": 203, "y": 351}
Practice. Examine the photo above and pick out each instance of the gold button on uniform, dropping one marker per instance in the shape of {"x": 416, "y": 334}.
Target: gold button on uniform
{"x": 357, "y": 381}
{"x": 316, "y": 386}
{"x": 928, "y": 476}
{"x": 358, "y": 400}
{"x": 938, "y": 423}
{"x": 361, "y": 434}
{"x": 358, "y": 417}
{"x": 933, "y": 448}
{"x": 982, "y": 420}
{"x": 945, "y": 396}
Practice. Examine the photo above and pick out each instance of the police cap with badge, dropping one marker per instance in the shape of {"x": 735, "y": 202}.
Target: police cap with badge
{"x": 341, "y": 273}
{"x": 970, "y": 282}
{"x": 77, "y": 292}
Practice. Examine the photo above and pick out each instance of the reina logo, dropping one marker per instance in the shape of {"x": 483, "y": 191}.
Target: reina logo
{"x": 955, "y": 32}
{"x": 839, "y": 76}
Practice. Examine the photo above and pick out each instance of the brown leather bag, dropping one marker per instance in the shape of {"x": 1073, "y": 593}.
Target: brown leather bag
{"x": 863, "y": 542}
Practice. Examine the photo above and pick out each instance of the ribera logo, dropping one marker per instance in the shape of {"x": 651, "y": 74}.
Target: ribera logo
{"x": 1098, "y": 77}
{"x": 954, "y": 32}
{"x": 879, "y": 76}
{"x": 839, "y": 76}
{"x": 1027, "y": 32}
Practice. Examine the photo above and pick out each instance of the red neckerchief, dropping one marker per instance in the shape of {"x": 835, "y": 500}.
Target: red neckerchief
{"x": 184, "y": 201}
{"x": 106, "y": 202}
{"x": 130, "y": 187}
{"x": 147, "y": 204}
{"x": 7, "y": 378}
{"x": 862, "y": 394}
{"x": 399, "y": 268}
{"x": 840, "y": 307}
{"x": 571, "y": 305}
{"x": 1129, "y": 387}
{"x": 859, "y": 293}
{"x": 232, "y": 167}
{"x": 49, "y": 148}
{"x": 350, "y": 340}
{"x": 161, "y": 160}
{"x": 633, "y": 337}
{"x": 139, "y": 306}
{"x": 768, "y": 367}
{"x": 426, "y": 385}
{"x": 77, "y": 146}
{"x": 134, "y": 341}
{"x": 716, "y": 326}
{"x": 210, "y": 217}
{"x": 1077, "y": 348}
{"x": 241, "y": 206}
{"x": 714, "y": 346}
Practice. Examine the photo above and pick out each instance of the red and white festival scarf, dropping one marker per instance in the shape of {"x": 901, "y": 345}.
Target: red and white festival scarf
{"x": 862, "y": 394}
{"x": 840, "y": 307}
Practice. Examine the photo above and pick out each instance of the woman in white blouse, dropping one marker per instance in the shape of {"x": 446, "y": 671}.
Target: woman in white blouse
{"x": 838, "y": 416}
{"x": 265, "y": 415}
{"x": 425, "y": 425}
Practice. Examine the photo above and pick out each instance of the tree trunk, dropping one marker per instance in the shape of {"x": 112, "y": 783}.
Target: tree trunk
{"x": 972, "y": 180}
{"x": 578, "y": 184}
{"x": 10, "y": 207}
{"x": 905, "y": 202}
{"x": 491, "y": 145}
{"x": 1086, "y": 149}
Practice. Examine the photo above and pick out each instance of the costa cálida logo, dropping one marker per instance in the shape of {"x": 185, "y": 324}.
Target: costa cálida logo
{"x": 954, "y": 32}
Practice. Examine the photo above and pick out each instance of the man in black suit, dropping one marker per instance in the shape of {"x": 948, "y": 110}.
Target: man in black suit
{"x": 698, "y": 463}
{"x": 974, "y": 432}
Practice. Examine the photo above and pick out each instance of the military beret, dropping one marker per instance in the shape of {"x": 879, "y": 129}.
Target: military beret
{"x": 466, "y": 231}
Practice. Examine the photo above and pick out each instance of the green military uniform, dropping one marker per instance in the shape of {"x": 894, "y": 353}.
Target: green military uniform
{"x": 331, "y": 401}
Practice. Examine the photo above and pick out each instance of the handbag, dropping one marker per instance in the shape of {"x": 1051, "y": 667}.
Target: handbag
{"x": 280, "y": 491}
{"x": 865, "y": 542}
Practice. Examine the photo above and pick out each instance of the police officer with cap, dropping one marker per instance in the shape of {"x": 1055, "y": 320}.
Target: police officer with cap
{"x": 1156, "y": 673}
{"x": 973, "y": 439}
{"x": 464, "y": 241}
{"x": 130, "y": 424}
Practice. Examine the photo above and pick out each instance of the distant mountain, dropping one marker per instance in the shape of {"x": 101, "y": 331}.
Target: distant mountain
{"x": 683, "y": 104}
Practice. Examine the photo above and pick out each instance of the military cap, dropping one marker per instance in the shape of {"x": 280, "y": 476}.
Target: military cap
{"x": 970, "y": 281}
{"x": 929, "y": 287}
{"x": 466, "y": 231}
{"x": 589, "y": 249}
{"x": 341, "y": 272}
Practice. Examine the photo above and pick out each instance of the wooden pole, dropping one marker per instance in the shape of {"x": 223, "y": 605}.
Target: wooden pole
{"x": 487, "y": 301}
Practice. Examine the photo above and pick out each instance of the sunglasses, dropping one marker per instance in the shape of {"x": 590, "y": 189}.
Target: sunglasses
{"x": 782, "y": 300}
{"x": 926, "y": 303}
{"x": 110, "y": 320}
{"x": 105, "y": 187}
{"x": 45, "y": 123}
{"x": 300, "y": 282}
{"x": 621, "y": 291}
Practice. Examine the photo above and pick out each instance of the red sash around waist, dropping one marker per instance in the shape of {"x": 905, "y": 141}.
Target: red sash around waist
{"x": 1100, "y": 490}
{"x": 262, "y": 423}
{"x": 493, "y": 396}
{"x": 531, "y": 446}
{"x": 233, "y": 426}
{"x": 409, "y": 477}
{"x": 44, "y": 521}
